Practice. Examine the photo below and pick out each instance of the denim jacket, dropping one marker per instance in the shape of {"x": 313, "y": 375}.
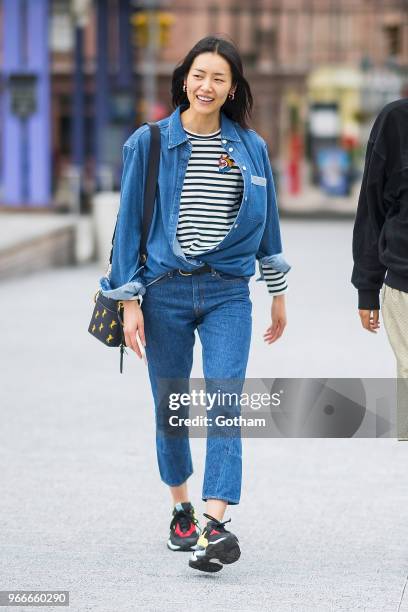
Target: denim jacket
{"x": 255, "y": 235}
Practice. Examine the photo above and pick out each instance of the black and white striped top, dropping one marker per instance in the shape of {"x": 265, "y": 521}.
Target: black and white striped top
{"x": 210, "y": 201}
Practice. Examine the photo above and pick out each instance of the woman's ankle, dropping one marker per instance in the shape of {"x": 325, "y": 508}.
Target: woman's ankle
{"x": 216, "y": 508}
{"x": 179, "y": 494}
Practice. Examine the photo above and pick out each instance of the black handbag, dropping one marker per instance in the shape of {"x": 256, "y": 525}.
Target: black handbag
{"x": 107, "y": 318}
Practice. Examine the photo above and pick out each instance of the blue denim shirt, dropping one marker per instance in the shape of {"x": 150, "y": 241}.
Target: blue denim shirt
{"x": 255, "y": 234}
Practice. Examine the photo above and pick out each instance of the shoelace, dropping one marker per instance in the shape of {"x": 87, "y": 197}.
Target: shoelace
{"x": 184, "y": 519}
{"x": 219, "y": 524}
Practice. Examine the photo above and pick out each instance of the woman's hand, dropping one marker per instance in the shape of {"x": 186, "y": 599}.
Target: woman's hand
{"x": 278, "y": 315}
{"x": 370, "y": 320}
{"x": 133, "y": 325}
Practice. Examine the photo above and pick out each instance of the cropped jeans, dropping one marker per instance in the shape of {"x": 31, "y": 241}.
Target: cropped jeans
{"x": 218, "y": 306}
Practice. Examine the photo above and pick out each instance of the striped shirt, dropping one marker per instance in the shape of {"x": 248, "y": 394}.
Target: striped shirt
{"x": 210, "y": 201}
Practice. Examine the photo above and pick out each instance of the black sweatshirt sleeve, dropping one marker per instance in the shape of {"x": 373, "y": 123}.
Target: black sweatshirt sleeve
{"x": 368, "y": 272}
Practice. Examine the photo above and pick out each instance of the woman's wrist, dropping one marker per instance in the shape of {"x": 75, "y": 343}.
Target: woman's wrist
{"x": 134, "y": 300}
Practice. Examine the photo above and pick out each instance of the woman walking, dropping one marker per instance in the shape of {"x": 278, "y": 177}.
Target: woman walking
{"x": 215, "y": 215}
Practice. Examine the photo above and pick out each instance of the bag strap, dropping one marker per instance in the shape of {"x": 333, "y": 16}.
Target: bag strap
{"x": 151, "y": 187}
{"x": 150, "y": 191}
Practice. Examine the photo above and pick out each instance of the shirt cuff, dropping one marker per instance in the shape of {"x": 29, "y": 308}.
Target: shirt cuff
{"x": 369, "y": 299}
{"x": 275, "y": 281}
{"x": 277, "y": 262}
{"x": 275, "y": 293}
{"x": 124, "y": 292}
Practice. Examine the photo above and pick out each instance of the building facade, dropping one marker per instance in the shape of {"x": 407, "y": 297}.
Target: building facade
{"x": 100, "y": 75}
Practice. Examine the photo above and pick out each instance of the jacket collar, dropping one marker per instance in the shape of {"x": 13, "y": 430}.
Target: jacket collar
{"x": 177, "y": 135}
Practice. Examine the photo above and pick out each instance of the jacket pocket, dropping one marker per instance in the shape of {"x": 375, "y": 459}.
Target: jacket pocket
{"x": 257, "y": 199}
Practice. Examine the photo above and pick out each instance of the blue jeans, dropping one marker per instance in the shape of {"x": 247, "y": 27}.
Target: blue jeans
{"x": 219, "y": 307}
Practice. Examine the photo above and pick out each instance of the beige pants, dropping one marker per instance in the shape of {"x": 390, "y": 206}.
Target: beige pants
{"x": 395, "y": 316}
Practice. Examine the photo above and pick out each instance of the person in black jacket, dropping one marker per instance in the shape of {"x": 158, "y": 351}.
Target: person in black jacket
{"x": 380, "y": 239}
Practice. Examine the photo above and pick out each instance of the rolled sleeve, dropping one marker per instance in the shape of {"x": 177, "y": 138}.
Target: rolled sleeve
{"x": 125, "y": 278}
{"x": 276, "y": 281}
{"x": 125, "y": 292}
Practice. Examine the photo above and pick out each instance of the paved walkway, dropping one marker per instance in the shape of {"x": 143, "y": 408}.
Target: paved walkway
{"x": 17, "y": 228}
{"x": 322, "y": 522}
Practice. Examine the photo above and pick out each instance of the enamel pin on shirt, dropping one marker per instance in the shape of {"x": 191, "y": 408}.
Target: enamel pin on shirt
{"x": 225, "y": 163}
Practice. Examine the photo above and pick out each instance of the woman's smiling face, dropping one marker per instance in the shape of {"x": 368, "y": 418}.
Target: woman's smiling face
{"x": 209, "y": 82}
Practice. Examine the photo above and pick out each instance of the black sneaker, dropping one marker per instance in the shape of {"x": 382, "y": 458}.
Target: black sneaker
{"x": 216, "y": 546}
{"x": 184, "y": 528}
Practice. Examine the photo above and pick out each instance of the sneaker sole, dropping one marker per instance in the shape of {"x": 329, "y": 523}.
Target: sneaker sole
{"x": 177, "y": 548}
{"x": 224, "y": 553}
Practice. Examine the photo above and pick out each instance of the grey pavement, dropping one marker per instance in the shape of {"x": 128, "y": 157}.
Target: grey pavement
{"x": 322, "y": 522}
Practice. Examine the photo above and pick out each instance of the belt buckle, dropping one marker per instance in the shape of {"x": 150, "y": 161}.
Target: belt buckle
{"x": 185, "y": 273}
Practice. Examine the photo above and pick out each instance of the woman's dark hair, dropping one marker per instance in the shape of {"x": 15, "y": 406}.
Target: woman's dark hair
{"x": 239, "y": 109}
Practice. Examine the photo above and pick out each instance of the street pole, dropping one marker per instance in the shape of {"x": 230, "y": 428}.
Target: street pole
{"x": 150, "y": 63}
{"x": 103, "y": 171}
{"x": 79, "y": 10}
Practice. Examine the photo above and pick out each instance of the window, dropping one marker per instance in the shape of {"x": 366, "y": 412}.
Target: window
{"x": 61, "y": 29}
{"x": 394, "y": 39}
